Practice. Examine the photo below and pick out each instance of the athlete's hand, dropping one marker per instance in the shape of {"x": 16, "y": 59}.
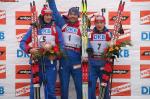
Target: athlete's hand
{"x": 84, "y": 59}
{"x": 34, "y": 51}
{"x": 47, "y": 46}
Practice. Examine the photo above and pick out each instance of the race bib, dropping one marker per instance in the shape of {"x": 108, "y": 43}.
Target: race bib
{"x": 72, "y": 40}
{"x": 42, "y": 39}
{"x": 98, "y": 46}
{"x": 99, "y": 43}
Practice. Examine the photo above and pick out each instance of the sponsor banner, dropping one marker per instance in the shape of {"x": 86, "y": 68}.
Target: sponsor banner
{"x": 8, "y": 0}
{"x": 2, "y": 36}
{"x": 145, "y": 17}
{"x": 23, "y": 18}
{"x": 2, "y": 90}
{"x": 145, "y": 90}
{"x": 21, "y": 54}
{"x": 125, "y": 17}
{"x": 2, "y": 71}
{"x": 57, "y": 89}
{"x": 144, "y": 53}
{"x": 2, "y": 17}
{"x": 123, "y": 37}
{"x": 145, "y": 71}
{"x": 20, "y": 33}
{"x": 140, "y": 0}
{"x": 23, "y": 71}
{"x": 124, "y": 53}
{"x": 122, "y": 72}
{"x": 145, "y": 36}
{"x": 22, "y": 89}
{"x": 121, "y": 89}
{"x": 2, "y": 53}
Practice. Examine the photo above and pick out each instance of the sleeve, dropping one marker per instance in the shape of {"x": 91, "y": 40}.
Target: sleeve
{"x": 24, "y": 43}
{"x": 60, "y": 40}
{"x": 56, "y": 15}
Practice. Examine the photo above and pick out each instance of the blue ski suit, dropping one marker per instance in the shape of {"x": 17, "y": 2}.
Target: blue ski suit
{"x": 98, "y": 42}
{"x": 47, "y": 70}
{"x": 71, "y": 64}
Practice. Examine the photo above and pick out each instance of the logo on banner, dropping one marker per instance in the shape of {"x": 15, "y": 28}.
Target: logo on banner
{"x": 58, "y": 89}
{"x": 21, "y": 54}
{"x": 123, "y": 37}
{"x": 144, "y": 53}
{"x": 145, "y": 71}
{"x": 125, "y": 18}
{"x": 2, "y": 71}
{"x": 20, "y": 33}
{"x": 22, "y": 89}
{"x": 8, "y": 0}
{"x": 145, "y": 90}
{"x": 2, "y": 17}
{"x": 2, "y": 53}
{"x": 140, "y": 0}
{"x": 124, "y": 53}
{"x": 23, "y": 71}
{"x": 23, "y": 18}
{"x": 122, "y": 72}
{"x": 2, "y": 36}
{"x": 145, "y": 36}
{"x": 2, "y": 90}
{"x": 145, "y": 17}
{"x": 121, "y": 89}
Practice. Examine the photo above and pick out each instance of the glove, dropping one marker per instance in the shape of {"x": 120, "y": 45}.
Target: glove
{"x": 90, "y": 51}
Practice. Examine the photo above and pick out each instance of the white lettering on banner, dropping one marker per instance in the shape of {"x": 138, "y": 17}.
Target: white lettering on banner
{"x": 98, "y": 46}
{"x": 22, "y": 90}
{"x": 100, "y": 37}
{"x": 20, "y": 36}
{"x": 145, "y": 19}
{"x": 46, "y": 39}
{"x": 46, "y": 31}
{"x": 2, "y": 69}
{"x": 72, "y": 40}
{"x": 121, "y": 88}
{"x": 145, "y": 73}
{"x": 71, "y": 30}
{"x": 2, "y": 14}
{"x": 24, "y": 18}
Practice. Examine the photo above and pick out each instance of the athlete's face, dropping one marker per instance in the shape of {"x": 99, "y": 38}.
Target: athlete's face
{"x": 72, "y": 17}
{"x": 100, "y": 25}
{"x": 47, "y": 18}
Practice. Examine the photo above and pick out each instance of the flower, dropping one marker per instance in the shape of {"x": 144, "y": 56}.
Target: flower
{"x": 48, "y": 50}
{"x": 113, "y": 50}
{"x": 53, "y": 52}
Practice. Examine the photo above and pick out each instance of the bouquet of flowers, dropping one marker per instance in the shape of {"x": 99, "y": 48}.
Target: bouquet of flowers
{"x": 48, "y": 50}
{"x": 113, "y": 51}
{"x": 52, "y": 51}
{"x": 109, "y": 54}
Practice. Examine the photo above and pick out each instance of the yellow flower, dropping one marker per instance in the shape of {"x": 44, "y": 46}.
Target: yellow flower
{"x": 117, "y": 48}
{"x": 111, "y": 49}
{"x": 51, "y": 51}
